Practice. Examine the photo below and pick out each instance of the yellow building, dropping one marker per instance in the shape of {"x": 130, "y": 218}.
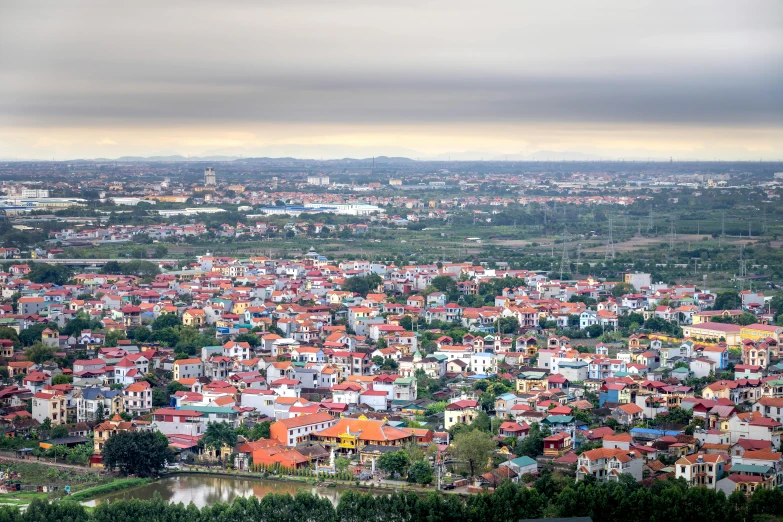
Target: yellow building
{"x": 759, "y": 332}
{"x": 193, "y": 317}
{"x": 526, "y": 381}
{"x": 730, "y": 333}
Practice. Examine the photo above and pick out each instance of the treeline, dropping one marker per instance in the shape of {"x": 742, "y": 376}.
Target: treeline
{"x": 626, "y": 501}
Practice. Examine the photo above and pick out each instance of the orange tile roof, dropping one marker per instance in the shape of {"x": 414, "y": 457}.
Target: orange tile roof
{"x": 367, "y": 430}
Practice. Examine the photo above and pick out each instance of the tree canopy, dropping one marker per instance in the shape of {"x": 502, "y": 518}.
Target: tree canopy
{"x": 141, "y": 453}
{"x": 550, "y": 496}
{"x": 394, "y": 462}
{"x": 475, "y": 448}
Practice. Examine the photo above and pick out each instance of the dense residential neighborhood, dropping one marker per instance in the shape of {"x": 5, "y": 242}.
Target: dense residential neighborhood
{"x": 313, "y": 363}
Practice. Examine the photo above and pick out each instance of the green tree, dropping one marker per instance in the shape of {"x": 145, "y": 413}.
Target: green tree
{"x": 38, "y": 353}
{"x": 394, "y": 462}
{"x": 174, "y": 387}
{"x": 159, "y": 397}
{"x": 219, "y": 434}
{"x": 10, "y": 334}
{"x": 420, "y": 472}
{"x": 482, "y": 421}
{"x": 620, "y": 289}
{"x": 260, "y": 430}
{"x": 249, "y": 338}
{"x": 113, "y": 338}
{"x": 62, "y": 379}
{"x": 166, "y": 321}
{"x": 32, "y": 335}
{"x": 141, "y": 453}
{"x": 59, "y": 431}
{"x": 362, "y": 285}
{"x": 727, "y": 300}
{"x": 45, "y": 273}
{"x": 508, "y": 325}
{"x": 342, "y": 464}
{"x": 533, "y": 445}
{"x": 475, "y": 448}
{"x": 444, "y": 284}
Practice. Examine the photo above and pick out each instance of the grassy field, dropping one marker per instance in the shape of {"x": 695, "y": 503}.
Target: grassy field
{"x": 34, "y": 474}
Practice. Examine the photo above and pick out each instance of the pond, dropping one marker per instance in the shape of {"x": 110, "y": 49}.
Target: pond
{"x": 205, "y": 490}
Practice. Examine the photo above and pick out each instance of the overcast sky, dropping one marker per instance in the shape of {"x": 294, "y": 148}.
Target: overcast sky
{"x": 336, "y": 78}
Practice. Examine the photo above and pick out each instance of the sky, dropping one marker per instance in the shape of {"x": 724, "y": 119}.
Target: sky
{"x": 423, "y": 79}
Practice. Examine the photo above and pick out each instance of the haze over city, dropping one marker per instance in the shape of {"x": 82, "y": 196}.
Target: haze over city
{"x": 429, "y": 80}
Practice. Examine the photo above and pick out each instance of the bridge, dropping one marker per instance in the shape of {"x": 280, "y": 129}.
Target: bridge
{"x": 96, "y": 262}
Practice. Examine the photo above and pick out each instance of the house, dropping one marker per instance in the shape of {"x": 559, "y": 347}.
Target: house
{"x": 700, "y": 469}
{"x": 90, "y": 400}
{"x": 463, "y": 411}
{"x": 194, "y": 318}
{"x": 297, "y": 430}
{"x": 52, "y": 406}
{"x": 170, "y": 421}
{"x": 628, "y": 414}
{"x": 138, "y": 398}
{"x": 557, "y": 444}
{"x": 605, "y": 464}
{"x": 514, "y": 430}
{"x": 188, "y": 368}
{"x": 771, "y": 407}
{"x": 521, "y": 465}
{"x": 107, "y": 429}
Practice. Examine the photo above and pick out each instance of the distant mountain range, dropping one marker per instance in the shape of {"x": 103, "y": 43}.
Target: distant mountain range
{"x": 472, "y": 156}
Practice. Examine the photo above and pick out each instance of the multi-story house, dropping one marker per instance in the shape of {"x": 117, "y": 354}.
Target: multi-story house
{"x": 188, "y": 369}
{"x": 138, "y": 398}
{"x": 700, "y": 469}
{"x": 297, "y": 430}
{"x": 90, "y": 400}
{"x": 608, "y": 464}
{"x": 52, "y": 406}
{"x": 463, "y": 412}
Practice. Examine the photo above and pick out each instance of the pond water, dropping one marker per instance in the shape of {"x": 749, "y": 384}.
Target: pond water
{"x": 205, "y": 490}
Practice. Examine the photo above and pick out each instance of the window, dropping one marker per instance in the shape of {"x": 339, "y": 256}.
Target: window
{"x": 682, "y": 469}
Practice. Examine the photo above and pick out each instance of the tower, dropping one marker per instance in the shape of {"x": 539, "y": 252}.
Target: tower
{"x": 610, "y": 244}
{"x": 209, "y": 177}
{"x": 565, "y": 261}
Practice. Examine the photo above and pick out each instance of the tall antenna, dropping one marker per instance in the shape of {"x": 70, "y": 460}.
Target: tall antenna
{"x": 579, "y": 258}
{"x": 650, "y": 220}
{"x": 672, "y": 233}
{"x": 610, "y": 244}
{"x": 565, "y": 262}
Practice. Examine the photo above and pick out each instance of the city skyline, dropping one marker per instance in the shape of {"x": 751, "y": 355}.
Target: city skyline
{"x": 430, "y": 81}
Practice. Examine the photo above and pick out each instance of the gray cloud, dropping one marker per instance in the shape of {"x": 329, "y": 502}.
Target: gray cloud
{"x": 87, "y": 63}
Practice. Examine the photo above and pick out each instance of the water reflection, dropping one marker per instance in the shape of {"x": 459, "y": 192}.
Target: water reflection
{"x": 205, "y": 490}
